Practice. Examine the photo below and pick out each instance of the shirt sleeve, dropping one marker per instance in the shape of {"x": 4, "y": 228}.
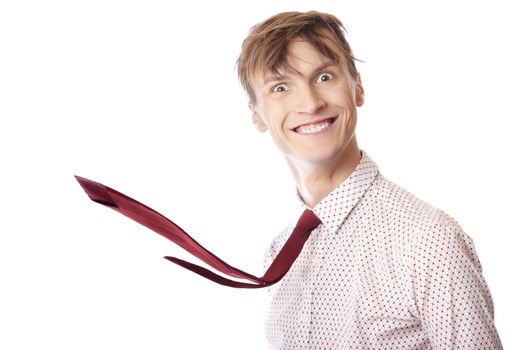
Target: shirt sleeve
{"x": 452, "y": 297}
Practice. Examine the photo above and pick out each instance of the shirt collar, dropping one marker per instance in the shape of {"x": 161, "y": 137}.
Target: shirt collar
{"x": 336, "y": 206}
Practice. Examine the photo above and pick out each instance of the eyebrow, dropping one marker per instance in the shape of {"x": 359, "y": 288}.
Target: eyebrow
{"x": 277, "y": 77}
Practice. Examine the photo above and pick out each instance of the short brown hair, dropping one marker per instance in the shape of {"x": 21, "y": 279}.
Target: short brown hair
{"x": 265, "y": 47}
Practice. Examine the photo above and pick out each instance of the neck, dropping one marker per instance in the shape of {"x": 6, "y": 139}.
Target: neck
{"x": 316, "y": 181}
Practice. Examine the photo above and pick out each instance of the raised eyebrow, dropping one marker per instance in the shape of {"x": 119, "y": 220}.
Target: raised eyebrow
{"x": 279, "y": 77}
{"x": 275, "y": 78}
{"x": 326, "y": 65}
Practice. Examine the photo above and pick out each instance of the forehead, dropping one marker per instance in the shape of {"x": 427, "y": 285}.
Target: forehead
{"x": 302, "y": 52}
{"x": 300, "y": 58}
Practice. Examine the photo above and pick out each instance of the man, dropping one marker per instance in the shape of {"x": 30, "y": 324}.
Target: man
{"x": 384, "y": 270}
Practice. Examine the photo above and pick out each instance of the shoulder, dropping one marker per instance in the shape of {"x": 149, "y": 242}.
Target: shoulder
{"x": 431, "y": 233}
{"x": 424, "y": 228}
{"x": 401, "y": 205}
{"x": 446, "y": 245}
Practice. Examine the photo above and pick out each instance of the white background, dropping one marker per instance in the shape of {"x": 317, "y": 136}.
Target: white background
{"x": 142, "y": 96}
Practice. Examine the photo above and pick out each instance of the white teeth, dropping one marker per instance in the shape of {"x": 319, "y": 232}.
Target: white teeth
{"x": 313, "y": 128}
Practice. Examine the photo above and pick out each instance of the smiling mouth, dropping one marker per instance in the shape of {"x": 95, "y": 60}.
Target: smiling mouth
{"x": 316, "y": 127}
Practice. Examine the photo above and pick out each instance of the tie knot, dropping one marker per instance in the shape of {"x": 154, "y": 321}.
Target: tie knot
{"x": 308, "y": 220}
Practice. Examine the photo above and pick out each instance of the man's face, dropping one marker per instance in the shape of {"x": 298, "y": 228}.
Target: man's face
{"x": 310, "y": 112}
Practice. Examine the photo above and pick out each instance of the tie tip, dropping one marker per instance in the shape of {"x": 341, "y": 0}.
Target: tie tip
{"x": 97, "y": 192}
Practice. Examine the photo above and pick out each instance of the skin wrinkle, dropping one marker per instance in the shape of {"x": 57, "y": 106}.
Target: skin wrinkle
{"x": 318, "y": 163}
{"x": 408, "y": 278}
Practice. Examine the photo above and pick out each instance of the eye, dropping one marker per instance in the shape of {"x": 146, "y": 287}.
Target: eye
{"x": 324, "y": 77}
{"x": 280, "y": 88}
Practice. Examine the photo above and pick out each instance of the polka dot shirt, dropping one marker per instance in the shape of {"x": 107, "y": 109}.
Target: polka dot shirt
{"x": 384, "y": 270}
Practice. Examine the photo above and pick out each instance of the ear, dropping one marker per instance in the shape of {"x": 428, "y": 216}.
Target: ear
{"x": 359, "y": 91}
{"x": 257, "y": 121}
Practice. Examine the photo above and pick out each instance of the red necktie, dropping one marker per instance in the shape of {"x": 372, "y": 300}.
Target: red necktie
{"x": 162, "y": 225}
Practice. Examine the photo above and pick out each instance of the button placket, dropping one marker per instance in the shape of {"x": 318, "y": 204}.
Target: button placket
{"x": 317, "y": 266}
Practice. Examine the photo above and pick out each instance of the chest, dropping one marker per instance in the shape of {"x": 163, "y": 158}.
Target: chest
{"x": 353, "y": 282}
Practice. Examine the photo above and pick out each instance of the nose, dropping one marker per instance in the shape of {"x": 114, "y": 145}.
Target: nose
{"x": 310, "y": 101}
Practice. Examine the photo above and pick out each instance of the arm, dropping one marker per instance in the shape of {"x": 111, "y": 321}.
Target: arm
{"x": 452, "y": 297}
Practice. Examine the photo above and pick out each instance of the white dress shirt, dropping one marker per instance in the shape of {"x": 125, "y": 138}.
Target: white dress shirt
{"x": 384, "y": 270}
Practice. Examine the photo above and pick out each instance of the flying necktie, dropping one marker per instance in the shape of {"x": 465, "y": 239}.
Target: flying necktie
{"x": 157, "y": 222}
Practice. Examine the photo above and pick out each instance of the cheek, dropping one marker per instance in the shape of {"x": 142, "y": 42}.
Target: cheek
{"x": 345, "y": 100}
{"x": 342, "y": 95}
{"x": 275, "y": 116}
